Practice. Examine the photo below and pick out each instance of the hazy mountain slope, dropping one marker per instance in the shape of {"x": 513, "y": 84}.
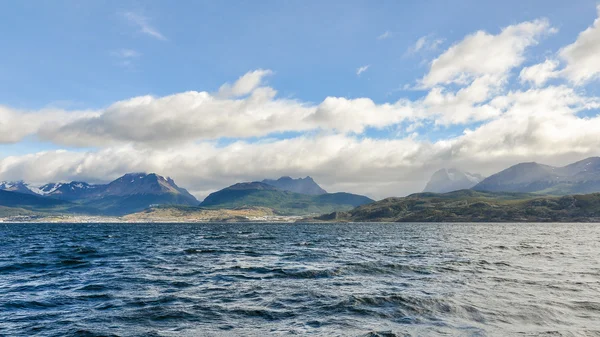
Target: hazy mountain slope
{"x": 258, "y": 194}
{"x": 29, "y": 201}
{"x": 343, "y": 198}
{"x": 301, "y": 185}
{"x": 587, "y": 170}
{"x": 580, "y": 177}
{"x": 447, "y": 180}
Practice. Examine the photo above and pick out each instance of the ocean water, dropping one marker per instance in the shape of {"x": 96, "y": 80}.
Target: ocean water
{"x": 299, "y": 279}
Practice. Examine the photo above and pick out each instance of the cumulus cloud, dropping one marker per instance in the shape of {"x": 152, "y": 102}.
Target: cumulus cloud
{"x": 468, "y": 104}
{"x": 582, "y": 56}
{"x": 196, "y": 115}
{"x": 539, "y": 73}
{"x": 482, "y": 53}
{"x": 16, "y": 124}
{"x": 183, "y": 117}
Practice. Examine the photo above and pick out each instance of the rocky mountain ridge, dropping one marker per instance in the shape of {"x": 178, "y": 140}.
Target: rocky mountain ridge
{"x": 301, "y": 185}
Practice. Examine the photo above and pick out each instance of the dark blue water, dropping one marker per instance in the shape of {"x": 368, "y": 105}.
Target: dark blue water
{"x": 299, "y": 279}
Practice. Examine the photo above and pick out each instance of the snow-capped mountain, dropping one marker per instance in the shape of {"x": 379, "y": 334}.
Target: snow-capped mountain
{"x": 130, "y": 193}
{"x": 74, "y": 190}
{"x": 16, "y": 186}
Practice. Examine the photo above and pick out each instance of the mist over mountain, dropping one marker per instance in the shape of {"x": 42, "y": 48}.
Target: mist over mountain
{"x": 448, "y": 180}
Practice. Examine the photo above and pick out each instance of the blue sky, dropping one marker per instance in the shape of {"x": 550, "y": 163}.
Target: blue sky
{"x": 60, "y": 53}
{"x": 76, "y": 57}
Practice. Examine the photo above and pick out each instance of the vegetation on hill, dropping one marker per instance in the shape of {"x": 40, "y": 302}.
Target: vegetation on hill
{"x": 474, "y": 206}
{"x": 258, "y": 194}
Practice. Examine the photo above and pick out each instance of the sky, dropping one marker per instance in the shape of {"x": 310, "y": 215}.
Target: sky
{"x": 365, "y": 97}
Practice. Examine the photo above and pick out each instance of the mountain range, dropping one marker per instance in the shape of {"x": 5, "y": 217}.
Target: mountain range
{"x": 523, "y": 192}
{"x": 505, "y": 195}
{"x": 135, "y": 192}
{"x": 130, "y": 193}
{"x": 576, "y": 178}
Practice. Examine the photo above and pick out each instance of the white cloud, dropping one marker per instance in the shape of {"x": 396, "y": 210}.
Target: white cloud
{"x": 466, "y": 104}
{"x": 484, "y": 54}
{"x": 245, "y": 84}
{"x": 582, "y": 56}
{"x": 464, "y": 78}
{"x": 386, "y": 35}
{"x": 243, "y": 109}
{"x": 539, "y": 73}
{"x": 15, "y": 124}
{"x": 354, "y": 115}
{"x": 362, "y": 69}
{"x": 143, "y": 24}
{"x": 427, "y": 42}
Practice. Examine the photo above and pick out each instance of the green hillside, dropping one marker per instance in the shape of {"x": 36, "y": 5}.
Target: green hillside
{"x": 282, "y": 202}
{"x": 473, "y": 206}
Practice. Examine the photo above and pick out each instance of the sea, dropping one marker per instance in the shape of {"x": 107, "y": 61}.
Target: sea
{"x": 296, "y": 279}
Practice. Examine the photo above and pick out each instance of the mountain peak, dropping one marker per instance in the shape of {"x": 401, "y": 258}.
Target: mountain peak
{"x": 261, "y": 194}
{"x": 16, "y": 186}
{"x": 522, "y": 177}
{"x": 301, "y": 185}
{"x": 451, "y": 179}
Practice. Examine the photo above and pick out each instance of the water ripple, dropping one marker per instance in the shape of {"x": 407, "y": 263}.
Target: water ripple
{"x": 299, "y": 279}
